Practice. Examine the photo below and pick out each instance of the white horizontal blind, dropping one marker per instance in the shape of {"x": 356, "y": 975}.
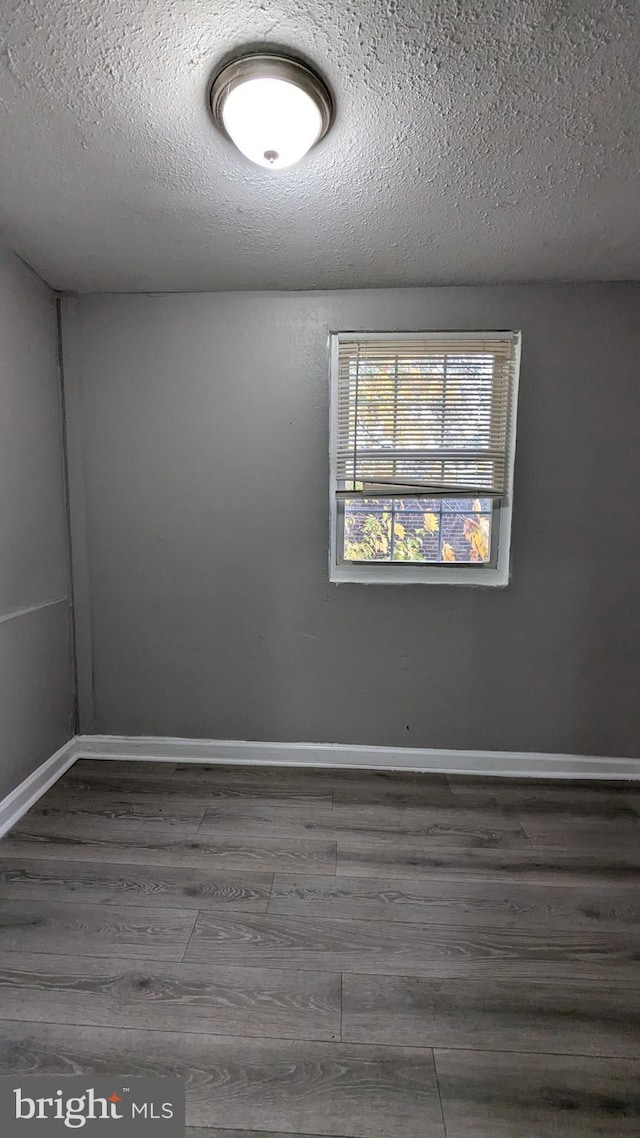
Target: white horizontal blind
{"x": 425, "y": 415}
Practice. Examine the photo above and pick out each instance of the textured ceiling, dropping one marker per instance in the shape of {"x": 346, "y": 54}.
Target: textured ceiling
{"x": 475, "y": 140}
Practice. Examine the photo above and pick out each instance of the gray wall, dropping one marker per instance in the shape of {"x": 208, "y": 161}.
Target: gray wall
{"x": 200, "y": 434}
{"x": 36, "y": 693}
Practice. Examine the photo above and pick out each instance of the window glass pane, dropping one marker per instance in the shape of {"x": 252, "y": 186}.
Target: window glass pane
{"x": 433, "y": 531}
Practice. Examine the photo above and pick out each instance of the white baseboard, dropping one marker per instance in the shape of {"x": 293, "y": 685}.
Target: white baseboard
{"x": 35, "y": 785}
{"x": 507, "y": 764}
{"x": 520, "y": 764}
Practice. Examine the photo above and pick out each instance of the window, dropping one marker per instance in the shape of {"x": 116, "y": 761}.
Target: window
{"x": 422, "y": 451}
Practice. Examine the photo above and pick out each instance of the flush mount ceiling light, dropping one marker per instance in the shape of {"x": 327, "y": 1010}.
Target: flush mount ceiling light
{"x": 273, "y": 108}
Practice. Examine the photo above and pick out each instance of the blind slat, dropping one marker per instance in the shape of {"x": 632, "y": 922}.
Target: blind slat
{"x": 432, "y": 413}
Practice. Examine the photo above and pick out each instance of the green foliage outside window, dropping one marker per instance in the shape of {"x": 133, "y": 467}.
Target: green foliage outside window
{"x": 394, "y": 531}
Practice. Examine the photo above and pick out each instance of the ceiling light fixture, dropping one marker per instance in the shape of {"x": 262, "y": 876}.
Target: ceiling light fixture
{"x": 272, "y": 107}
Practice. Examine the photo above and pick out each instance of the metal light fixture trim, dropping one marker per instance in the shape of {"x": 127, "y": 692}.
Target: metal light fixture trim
{"x": 284, "y": 68}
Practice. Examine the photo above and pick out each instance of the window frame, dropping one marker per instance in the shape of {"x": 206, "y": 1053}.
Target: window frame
{"x": 472, "y": 574}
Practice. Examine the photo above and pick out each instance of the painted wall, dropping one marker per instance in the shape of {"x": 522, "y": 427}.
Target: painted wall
{"x": 36, "y": 693}
{"x": 200, "y": 433}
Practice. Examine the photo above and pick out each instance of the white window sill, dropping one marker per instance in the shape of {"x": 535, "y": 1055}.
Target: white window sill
{"x": 406, "y": 574}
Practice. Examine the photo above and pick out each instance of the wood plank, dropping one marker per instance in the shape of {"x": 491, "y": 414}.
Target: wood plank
{"x": 555, "y": 866}
{"x": 50, "y": 879}
{"x": 207, "y": 1132}
{"x": 386, "y": 948}
{"x": 467, "y": 783}
{"x": 119, "y": 769}
{"x": 385, "y": 788}
{"x": 94, "y": 930}
{"x": 61, "y": 826}
{"x": 435, "y": 902}
{"x": 497, "y": 1095}
{"x": 571, "y": 1017}
{"x": 597, "y": 836}
{"x": 291, "y": 776}
{"x": 67, "y": 804}
{"x": 156, "y": 786}
{"x": 547, "y": 796}
{"x": 258, "y": 775}
{"x": 159, "y": 995}
{"x": 261, "y": 855}
{"x": 241, "y": 781}
{"x": 273, "y": 1085}
{"x": 384, "y": 825}
{"x": 160, "y": 788}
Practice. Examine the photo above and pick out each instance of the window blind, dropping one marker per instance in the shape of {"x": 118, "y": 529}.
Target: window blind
{"x": 425, "y": 415}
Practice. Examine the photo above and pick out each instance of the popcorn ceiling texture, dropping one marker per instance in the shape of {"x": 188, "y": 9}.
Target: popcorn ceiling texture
{"x": 474, "y": 141}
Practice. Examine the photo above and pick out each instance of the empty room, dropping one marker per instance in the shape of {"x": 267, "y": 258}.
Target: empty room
{"x": 319, "y": 564}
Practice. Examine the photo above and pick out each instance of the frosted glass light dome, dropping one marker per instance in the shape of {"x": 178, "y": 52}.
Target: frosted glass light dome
{"x": 273, "y": 108}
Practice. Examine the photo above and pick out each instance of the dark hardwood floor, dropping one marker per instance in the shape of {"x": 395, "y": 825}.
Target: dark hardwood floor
{"x": 322, "y": 953}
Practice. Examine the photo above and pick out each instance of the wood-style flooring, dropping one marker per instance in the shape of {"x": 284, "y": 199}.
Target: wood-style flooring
{"x": 349, "y": 954}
